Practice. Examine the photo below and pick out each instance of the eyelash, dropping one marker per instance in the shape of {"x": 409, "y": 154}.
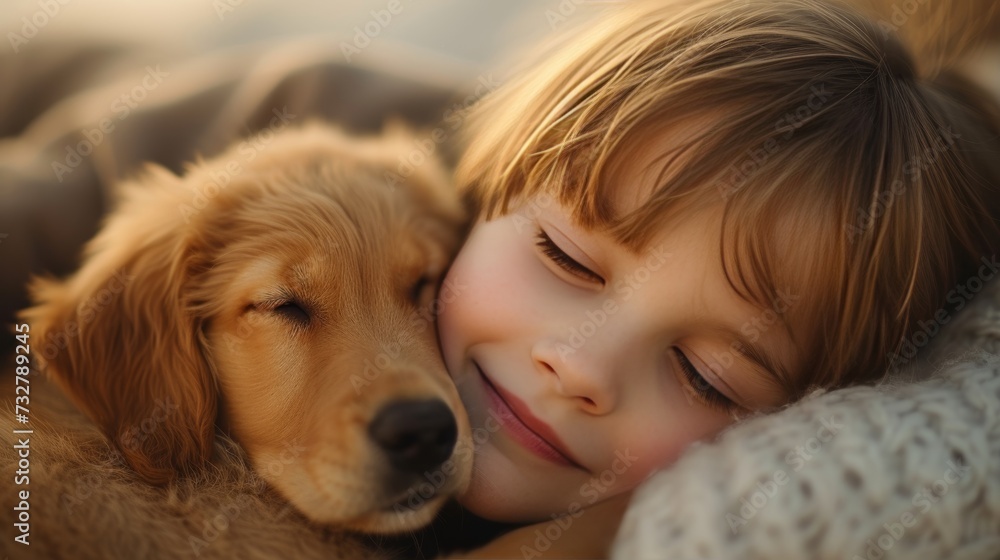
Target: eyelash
{"x": 564, "y": 261}
{"x": 709, "y": 395}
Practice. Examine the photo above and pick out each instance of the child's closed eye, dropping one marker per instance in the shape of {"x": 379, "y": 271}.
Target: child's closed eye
{"x": 701, "y": 388}
{"x": 564, "y": 261}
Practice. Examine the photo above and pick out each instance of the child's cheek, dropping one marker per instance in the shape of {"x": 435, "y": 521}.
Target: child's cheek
{"x": 629, "y": 465}
{"x": 637, "y": 457}
{"x": 626, "y": 468}
{"x": 493, "y": 283}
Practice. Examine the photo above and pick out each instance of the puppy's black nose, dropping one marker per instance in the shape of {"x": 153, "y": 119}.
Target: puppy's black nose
{"x": 415, "y": 435}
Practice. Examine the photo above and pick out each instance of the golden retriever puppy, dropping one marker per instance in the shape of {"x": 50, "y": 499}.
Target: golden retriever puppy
{"x": 281, "y": 294}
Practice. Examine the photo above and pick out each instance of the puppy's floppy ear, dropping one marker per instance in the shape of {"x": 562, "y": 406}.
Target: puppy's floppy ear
{"x": 118, "y": 338}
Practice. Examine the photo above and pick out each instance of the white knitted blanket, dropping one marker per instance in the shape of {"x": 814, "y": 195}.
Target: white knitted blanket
{"x": 906, "y": 469}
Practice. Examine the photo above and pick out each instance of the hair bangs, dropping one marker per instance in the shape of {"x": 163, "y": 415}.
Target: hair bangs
{"x": 844, "y": 175}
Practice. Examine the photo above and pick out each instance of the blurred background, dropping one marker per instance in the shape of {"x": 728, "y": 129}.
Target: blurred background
{"x": 91, "y": 89}
{"x": 469, "y": 31}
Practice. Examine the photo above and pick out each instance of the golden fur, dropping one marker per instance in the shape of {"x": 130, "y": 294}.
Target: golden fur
{"x": 277, "y": 296}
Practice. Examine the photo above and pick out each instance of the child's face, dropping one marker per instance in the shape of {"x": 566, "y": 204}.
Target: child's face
{"x": 571, "y": 373}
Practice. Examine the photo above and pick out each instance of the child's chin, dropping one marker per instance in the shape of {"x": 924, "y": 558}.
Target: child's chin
{"x": 496, "y": 491}
{"x": 487, "y": 506}
{"x": 499, "y": 493}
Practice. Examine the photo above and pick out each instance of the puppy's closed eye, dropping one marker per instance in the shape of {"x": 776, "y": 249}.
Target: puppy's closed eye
{"x": 286, "y": 309}
{"x": 421, "y": 290}
{"x": 293, "y": 311}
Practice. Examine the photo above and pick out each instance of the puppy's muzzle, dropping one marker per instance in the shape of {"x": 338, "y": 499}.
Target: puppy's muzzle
{"x": 414, "y": 435}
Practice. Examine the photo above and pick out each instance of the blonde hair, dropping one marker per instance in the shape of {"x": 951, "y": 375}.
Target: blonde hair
{"x": 844, "y": 171}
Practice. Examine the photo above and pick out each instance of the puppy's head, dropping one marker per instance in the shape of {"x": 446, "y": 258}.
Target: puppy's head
{"x": 285, "y": 290}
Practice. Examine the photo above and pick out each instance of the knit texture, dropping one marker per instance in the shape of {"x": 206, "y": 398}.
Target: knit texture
{"x": 909, "y": 468}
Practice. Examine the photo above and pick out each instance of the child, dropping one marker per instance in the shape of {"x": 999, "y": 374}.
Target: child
{"x": 693, "y": 211}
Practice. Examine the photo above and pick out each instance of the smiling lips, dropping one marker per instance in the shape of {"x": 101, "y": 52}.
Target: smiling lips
{"x": 525, "y": 428}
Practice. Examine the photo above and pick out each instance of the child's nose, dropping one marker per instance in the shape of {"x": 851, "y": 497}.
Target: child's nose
{"x": 577, "y": 375}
